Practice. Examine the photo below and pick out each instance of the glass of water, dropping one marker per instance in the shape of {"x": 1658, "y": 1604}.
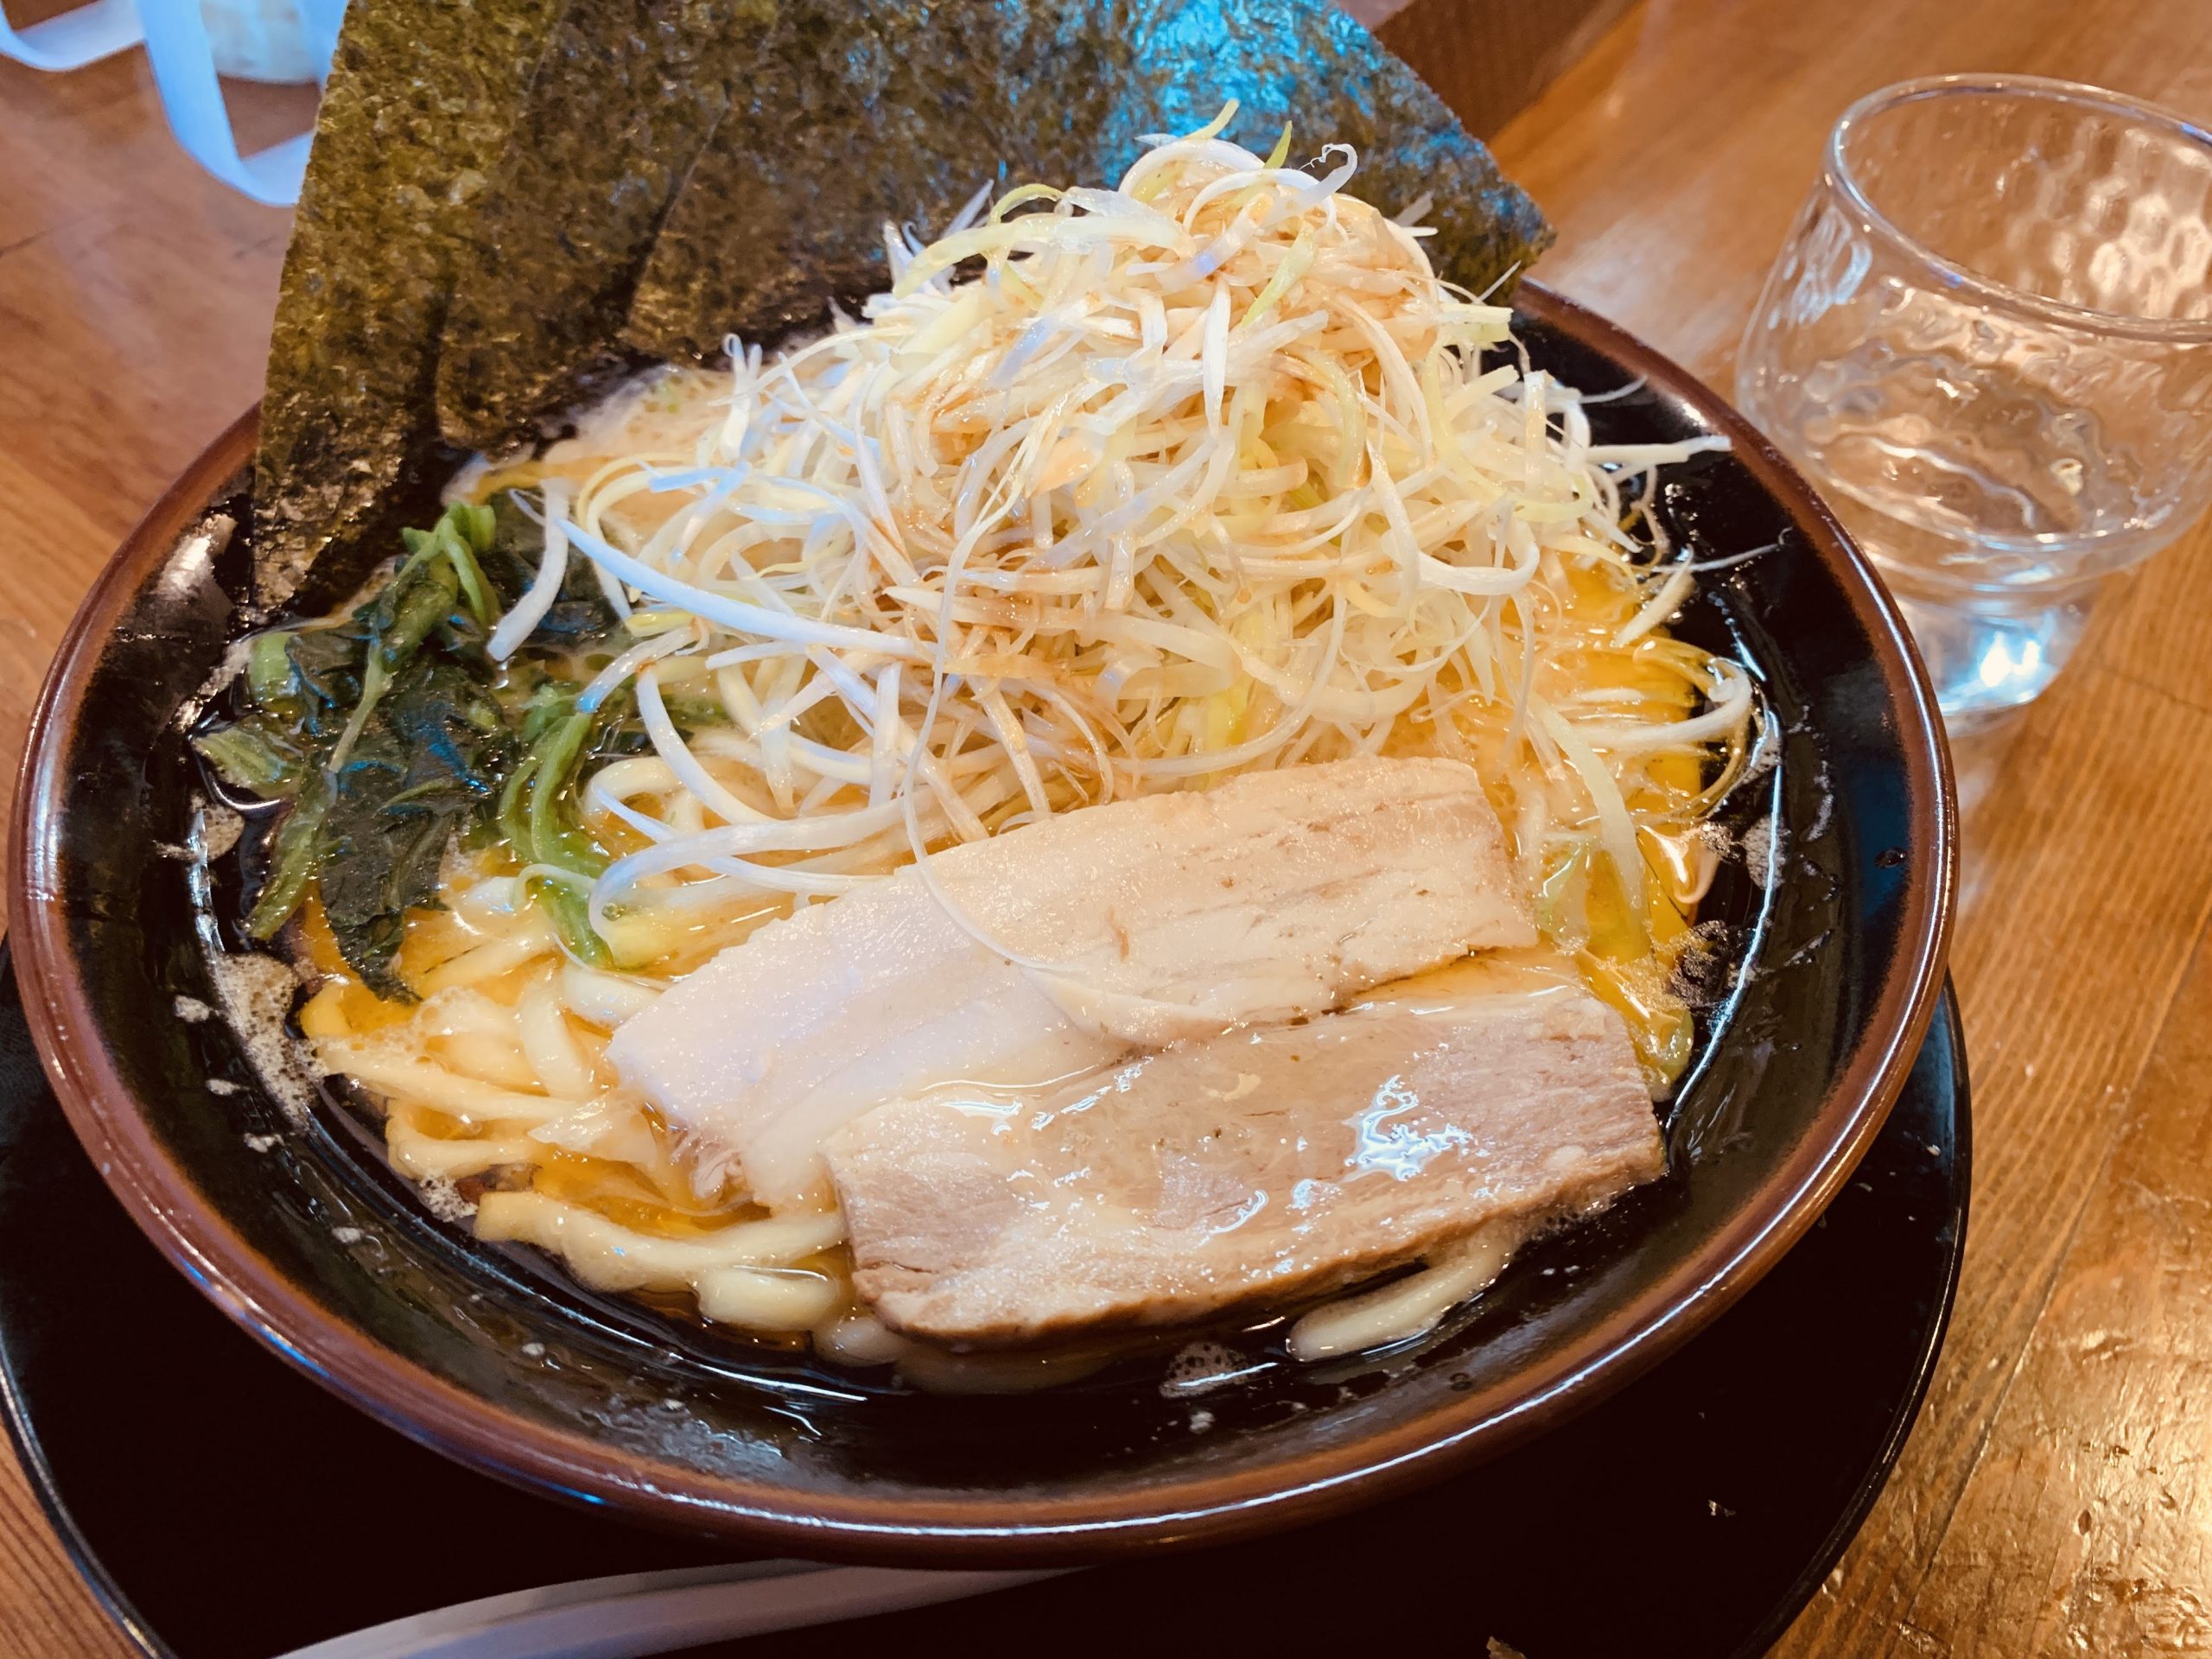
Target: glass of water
{"x": 1988, "y": 342}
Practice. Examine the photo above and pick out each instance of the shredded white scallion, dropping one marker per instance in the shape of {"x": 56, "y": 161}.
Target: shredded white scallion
{"x": 1113, "y": 492}
{"x": 529, "y": 610}
{"x": 1204, "y": 471}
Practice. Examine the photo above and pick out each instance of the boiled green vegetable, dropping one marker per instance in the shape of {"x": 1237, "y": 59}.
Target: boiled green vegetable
{"x": 392, "y": 732}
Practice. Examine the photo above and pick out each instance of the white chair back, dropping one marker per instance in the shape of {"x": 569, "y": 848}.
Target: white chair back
{"x": 189, "y": 43}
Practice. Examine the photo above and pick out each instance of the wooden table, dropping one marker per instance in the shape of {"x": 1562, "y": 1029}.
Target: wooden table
{"x": 2057, "y": 1495}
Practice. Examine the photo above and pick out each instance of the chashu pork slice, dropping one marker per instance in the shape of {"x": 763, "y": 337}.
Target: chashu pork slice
{"x": 1251, "y": 1168}
{"x": 1113, "y": 928}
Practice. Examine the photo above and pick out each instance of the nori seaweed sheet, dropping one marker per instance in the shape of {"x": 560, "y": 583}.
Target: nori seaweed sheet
{"x": 422, "y": 97}
{"x": 480, "y": 239}
{"x": 874, "y": 109}
{"x": 865, "y": 112}
{"x": 627, "y": 91}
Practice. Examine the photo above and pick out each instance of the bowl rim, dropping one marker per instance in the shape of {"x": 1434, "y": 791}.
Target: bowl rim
{"x": 948, "y": 1532}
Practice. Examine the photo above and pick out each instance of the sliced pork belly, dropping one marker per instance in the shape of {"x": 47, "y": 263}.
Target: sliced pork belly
{"x": 1253, "y": 1167}
{"x": 1117, "y": 927}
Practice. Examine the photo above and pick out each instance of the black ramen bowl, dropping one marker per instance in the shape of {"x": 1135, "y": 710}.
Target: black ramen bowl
{"x": 1833, "y": 925}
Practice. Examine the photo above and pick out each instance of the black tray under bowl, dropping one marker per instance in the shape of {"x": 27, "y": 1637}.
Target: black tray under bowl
{"x": 223, "y": 1507}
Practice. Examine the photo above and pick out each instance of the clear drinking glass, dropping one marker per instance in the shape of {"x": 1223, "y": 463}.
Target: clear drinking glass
{"x": 1988, "y": 342}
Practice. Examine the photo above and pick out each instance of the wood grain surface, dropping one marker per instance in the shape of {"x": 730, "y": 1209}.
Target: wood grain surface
{"x": 135, "y": 299}
{"x": 2056, "y": 1495}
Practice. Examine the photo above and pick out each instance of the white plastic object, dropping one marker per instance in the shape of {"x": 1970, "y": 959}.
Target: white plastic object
{"x": 182, "y": 53}
{"x": 75, "y": 38}
{"x": 262, "y": 40}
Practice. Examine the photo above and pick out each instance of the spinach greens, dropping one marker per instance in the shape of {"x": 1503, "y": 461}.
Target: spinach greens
{"x": 388, "y": 732}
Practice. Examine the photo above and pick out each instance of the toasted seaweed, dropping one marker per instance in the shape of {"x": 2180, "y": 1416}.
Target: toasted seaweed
{"x": 861, "y": 113}
{"x": 866, "y": 111}
{"x": 627, "y": 91}
{"x": 508, "y": 200}
{"x": 422, "y": 96}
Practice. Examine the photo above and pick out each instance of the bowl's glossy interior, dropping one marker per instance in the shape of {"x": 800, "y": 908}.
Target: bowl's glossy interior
{"x": 308, "y": 1241}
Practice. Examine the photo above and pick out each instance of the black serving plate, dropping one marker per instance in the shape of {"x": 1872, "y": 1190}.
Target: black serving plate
{"x": 223, "y": 1507}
